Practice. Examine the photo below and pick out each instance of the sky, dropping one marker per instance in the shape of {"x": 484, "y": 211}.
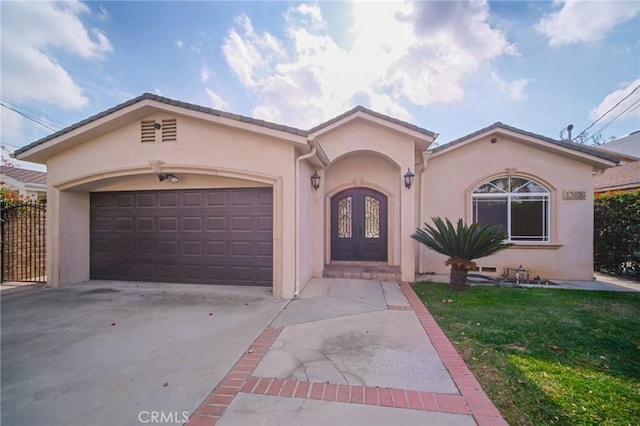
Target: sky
{"x": 450, "y": 67}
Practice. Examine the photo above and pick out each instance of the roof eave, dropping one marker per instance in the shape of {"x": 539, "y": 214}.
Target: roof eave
{"x": 597, "y": 161}
{"x": 424, "y": 137}
{"x": 40, "y": 150}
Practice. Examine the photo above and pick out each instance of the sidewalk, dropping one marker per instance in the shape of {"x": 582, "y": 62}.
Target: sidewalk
{"x": 354, "y": 352}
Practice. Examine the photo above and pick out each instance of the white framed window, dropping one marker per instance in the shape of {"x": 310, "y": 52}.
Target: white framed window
{"x": 520, "y": 205}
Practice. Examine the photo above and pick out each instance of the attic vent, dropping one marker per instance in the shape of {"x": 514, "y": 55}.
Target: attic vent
{"x": 169, "y": 130}
{"x": 147, "y": 131}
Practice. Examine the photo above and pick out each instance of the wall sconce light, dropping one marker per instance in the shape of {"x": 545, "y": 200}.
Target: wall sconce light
{"x": 165, "y": 176}
{"x": 315, "y": 180}
{"x": 408, "y": 178}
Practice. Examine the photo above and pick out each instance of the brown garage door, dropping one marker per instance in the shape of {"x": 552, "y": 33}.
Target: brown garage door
{"x": 212, "y": 236}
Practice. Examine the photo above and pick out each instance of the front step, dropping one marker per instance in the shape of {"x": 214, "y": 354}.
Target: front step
{"x": 378, "y": 271}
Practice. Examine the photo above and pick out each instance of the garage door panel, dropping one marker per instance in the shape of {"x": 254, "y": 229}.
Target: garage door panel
{"x": 167, "y": 224}
{"x": 216, "y": 248}
{"x": 242, "y": 223}
{"x": 192, "y": 224}
{"x": 241, "y": 198}
{"x": 216, "y": 199}
{"x": 264, "y": 249}
{"x": 125, "y": 200}
{"x": 217, "y": 236}
{"x": 192, "y": 248}
{"x": 144, "y": 224}
{"x": 145, "y": 201}
{"x": 146, "y": 248}
{"x": 217, "y": 223}
{"x": 168, "y": 199}
{"x": 103, "y": 224}
{"x": 168, "y": 248}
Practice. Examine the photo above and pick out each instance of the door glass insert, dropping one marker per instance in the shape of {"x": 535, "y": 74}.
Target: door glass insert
{"x": 371, "y": 217}
{"x": 344, "y": 218}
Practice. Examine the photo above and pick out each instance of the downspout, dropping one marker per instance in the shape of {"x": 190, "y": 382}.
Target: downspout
{"x": 297, "y": 214}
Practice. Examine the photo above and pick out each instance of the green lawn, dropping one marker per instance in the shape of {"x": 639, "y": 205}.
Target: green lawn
{"x": 547, "y": 356}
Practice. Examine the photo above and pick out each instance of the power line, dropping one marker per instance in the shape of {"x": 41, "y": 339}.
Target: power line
{"x": 620, "y": 116}
{"x": 31, "y": 112}
{"x": 28, "y": 117}
{"x": 603, "y": 115}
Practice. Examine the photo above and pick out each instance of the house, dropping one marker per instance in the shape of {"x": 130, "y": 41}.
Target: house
{"x": 30, "y": 184}
{"x": 626, "y": 176}
{"x": 156, "y": 189}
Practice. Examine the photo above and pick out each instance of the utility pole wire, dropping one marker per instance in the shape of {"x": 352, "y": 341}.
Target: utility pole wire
{"x": 603, "y": 115}
{"x": 30, "y": 111}
{"x": 624, "y": 113}
{"x": 43, "y": 124}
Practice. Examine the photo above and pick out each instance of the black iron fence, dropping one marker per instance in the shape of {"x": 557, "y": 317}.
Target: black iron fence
{"x": 24, "y": 244}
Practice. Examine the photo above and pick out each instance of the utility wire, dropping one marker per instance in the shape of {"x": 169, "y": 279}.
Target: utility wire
{"x": 603, "y": 115}
{"x": 624, "y": 113}
{"x": 31, "y": 112}
{"x": 28, "y": 117}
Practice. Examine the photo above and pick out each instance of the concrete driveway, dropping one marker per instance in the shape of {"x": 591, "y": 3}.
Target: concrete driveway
{"x": 355, "y": 352}
{"x": 118, "y": 353}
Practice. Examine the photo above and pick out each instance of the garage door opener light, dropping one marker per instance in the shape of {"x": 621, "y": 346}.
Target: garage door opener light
{"x": 165, "y": 176}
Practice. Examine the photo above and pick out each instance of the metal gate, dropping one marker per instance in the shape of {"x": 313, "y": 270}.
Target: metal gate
{"x": 23, "y": 238}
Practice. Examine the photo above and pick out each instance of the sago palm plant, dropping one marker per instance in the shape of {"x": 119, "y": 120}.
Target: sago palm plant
{"x": 462, "y": 244}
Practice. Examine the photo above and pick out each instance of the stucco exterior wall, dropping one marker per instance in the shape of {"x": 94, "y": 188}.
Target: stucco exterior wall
{"x": 306, "y": 223}
{"x": 451, "y": 177}
{"x": 205, "y": 156}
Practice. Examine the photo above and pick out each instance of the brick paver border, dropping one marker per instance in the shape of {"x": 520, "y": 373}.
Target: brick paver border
{"x": 471, "y": 400}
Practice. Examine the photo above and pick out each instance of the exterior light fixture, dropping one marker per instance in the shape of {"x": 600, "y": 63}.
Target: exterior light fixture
{"x": 408, "y": 178}
{"x": 315, "y": 180}
{"x": 165, "y": 176}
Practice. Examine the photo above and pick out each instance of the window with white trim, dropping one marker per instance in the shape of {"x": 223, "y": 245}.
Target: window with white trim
{"x": 520, "y": 205}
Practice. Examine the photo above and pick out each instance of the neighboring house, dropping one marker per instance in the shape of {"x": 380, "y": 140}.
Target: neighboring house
{"x": 626, "y": 176}
{"x": 26, "y": 183}
{"x": 161, "y": 190}
{"x": 626, "y": 145}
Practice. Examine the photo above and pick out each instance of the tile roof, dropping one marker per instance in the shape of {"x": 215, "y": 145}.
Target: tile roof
{"x": 625, "y": 176}
{"x": 24, "y": 175}
{"x": 565, "y": 144}
{"x": 218, "y": 113}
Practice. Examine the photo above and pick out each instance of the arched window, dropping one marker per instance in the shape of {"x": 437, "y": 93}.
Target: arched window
{"x": 520, "y": 205}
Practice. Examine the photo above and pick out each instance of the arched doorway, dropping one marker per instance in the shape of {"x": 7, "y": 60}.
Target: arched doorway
{"x": 359, "y": 225}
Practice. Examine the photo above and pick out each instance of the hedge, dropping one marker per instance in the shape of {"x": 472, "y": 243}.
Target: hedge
{"x": 617, "y": 233}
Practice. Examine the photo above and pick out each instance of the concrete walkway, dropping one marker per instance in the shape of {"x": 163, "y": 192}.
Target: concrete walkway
{"x": 354, "y": 352}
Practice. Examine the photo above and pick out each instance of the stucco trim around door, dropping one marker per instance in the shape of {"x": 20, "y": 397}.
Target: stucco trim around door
{"x": 368, "y": 234}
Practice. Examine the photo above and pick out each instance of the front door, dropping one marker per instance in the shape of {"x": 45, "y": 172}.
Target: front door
{"x": 359, "y": 225}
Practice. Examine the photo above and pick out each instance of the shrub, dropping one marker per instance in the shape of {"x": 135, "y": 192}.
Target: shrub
{"x": 617, "y": 233}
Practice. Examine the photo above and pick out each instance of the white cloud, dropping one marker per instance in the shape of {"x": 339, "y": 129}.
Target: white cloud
{"x": 205, "y": 73}
{"x": 11, "y": 128}
{"x": 32, "y": 33}
{"x": 216, "y": 101}
{"x": 103, "y": 14}
{"x": 613, "y": 98}
{"x": 309, "y": 13}
{"x": 514, "y": 89}
{"x": 391, "y": 54}
{"x": 179, "y": 44}
{"x": 585, "y": 21}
